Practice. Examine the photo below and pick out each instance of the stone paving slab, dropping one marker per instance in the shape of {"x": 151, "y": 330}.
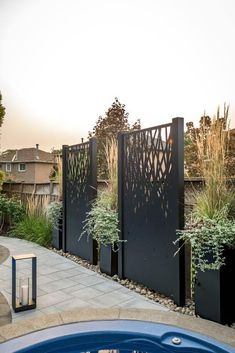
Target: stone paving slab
{"x": 65, "y": 285}
{"x": 205, "y": 327}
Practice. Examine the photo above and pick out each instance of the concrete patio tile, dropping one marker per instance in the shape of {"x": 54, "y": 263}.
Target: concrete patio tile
{"x": 56, "y": 285}
{"x": 71, "y": 304}
{"x": 71, "y": 290}
{"x": 52, "y": 299}
{"x": 77, "y": 271}
{"x": 74, "y": 276}
{"x": 53, "y": 261}
{"x": 109, "y": 300}
{"x": 91, "y": 280}
{"x": 63, "y": 284}
{"x": 79, "y": 276}
{"x": 65, "y": 266}
{"x": 108, "y": 286}
{"x": 43, "y": 279}
{"x": 28, "y": 314}
{"x": 85, "y": 270}
{"x": 5, "y": 275}
{"x": 141, "y": 304}
{"x": 87, "y": 293}
{"x": 23, "y": 313}
{"x": 7, "y": 295}
{"x": 46, "y": 270}
{"x": 6, "y": 284}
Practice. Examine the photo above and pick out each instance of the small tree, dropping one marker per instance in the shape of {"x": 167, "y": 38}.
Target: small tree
{"x": 2, "y": 111}
{"x": 107, "y": 128}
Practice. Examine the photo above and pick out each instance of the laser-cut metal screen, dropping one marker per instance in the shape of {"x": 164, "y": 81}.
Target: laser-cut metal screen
{"x": 151, "y": 182}
{"x": 79, "y": 189}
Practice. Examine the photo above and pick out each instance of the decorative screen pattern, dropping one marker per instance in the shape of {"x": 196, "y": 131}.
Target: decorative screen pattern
{"x": 79, "y": 191}
{"x": 151, "y": 207}
{"x": 148, "y": 164}
{"x": 78, "y": 167}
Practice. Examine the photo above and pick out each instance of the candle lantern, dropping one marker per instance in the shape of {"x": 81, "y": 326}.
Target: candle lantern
{"x": 24, "y": 287}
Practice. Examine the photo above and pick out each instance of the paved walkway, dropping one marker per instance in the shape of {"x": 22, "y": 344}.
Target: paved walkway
{"x": 63, "y": 284}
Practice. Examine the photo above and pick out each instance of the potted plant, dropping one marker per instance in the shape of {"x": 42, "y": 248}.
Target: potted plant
{"x": 102, "y": 225}
{"x": 211, "y": 227}
{"x": 102, "y": 221}
{"x": 54, "y": 214}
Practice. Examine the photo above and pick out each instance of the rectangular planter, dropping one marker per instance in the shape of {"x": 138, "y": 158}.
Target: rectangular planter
{"x": 214, "y": 293}
{"x": 57, "y": 235}
{"x": 108, "y": 260}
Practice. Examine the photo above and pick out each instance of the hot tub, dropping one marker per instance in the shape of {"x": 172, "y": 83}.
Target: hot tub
{"x": 122, "y": 335}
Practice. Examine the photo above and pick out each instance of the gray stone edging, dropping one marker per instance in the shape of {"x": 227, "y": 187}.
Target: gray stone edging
{"x": 4, "y": 254}
{"x": 205, "y": 327}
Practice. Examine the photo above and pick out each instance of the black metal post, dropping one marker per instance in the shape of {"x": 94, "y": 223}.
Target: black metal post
{"x": 13, "y": 283}
{"x": 178, "y": 159}
{"x": 64, "y": 193}
{"x": 121, "y": 137}
{"x": 93, "y": 185}
{"x": 34, "y": 280}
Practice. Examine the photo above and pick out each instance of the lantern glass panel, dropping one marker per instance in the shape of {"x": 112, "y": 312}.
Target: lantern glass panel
{"x": 23, "y": 282}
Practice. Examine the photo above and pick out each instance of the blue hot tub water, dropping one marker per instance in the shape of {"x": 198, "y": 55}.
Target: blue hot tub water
{"x": 122, "y": 335}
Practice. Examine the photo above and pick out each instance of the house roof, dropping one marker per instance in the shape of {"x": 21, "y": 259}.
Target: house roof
{"x": 27, "y": 155}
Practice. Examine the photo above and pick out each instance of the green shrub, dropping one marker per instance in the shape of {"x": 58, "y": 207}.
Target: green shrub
{"x": 2, "y": 178}
{"x": 11, "y": 211}
{"x": 102, "y": 224}
{"x": 53, "y": 213}
{"x": 34, "y": 228}
{"x": 208, "y": 238}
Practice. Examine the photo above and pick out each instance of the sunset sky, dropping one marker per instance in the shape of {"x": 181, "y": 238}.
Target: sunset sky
{"x": 62, "y": 62}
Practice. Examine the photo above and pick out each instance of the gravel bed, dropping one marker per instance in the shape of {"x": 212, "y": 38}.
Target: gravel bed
{"x": 188, "y": 309}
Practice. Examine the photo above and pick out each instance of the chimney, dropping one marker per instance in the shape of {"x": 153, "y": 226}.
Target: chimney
{"x": 37, "y": 147}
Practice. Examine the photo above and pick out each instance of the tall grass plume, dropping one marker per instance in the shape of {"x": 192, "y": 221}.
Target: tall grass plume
{"x": 212, "y": 148}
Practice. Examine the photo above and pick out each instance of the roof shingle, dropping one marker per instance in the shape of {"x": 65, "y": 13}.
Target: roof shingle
{"x": 27, "y": 155}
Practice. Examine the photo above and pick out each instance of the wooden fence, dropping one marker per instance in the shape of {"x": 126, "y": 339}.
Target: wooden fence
{"x": 23, "y": 191}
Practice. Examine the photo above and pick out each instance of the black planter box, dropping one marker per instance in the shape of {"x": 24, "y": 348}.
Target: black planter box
{"x": 108, "y": 260}
{"x": 214, "y": 293}
{"x": 57, "y": 235}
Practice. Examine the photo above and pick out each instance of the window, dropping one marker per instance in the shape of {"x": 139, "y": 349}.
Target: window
{"x": 8, "y": 167}
{"x": 21, "y": 167}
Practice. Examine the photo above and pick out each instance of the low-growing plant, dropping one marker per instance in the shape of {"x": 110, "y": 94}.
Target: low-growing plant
{"x": 33, "y": 228}
{"x": 102, "y": 224}
{"x": 11, "y": 211}
{"x": 53, "y": 213}
{"x": 208, "y": 238}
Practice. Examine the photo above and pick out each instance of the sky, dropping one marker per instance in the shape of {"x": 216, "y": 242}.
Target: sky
{"x": 62, "y": 63}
